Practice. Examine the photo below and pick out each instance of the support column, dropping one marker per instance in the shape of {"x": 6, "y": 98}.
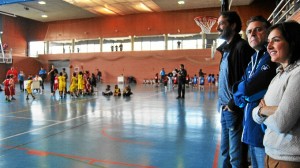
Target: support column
{"x": 203, "y": 40}
{"x": 166, "y": 41}
{"x": 132, "y": 43}
{"x": 101, "y": 44}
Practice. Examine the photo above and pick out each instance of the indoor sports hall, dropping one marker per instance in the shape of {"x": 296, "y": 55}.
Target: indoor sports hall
{"x": 129, "y": 42}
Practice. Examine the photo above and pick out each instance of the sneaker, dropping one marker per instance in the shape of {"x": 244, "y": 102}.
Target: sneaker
{"x": 13, "y": 98}
{"x": 27, "y": 98}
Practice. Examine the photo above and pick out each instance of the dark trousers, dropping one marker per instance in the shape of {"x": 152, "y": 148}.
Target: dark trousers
{"x": 21, "y": 85}
{"x": 181, "y": 89}
{"x": 42, "y": 84}
{"x": 52, "y": 86}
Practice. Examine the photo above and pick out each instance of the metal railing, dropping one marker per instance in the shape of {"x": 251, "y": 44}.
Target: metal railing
{"x": 283, "y": 10}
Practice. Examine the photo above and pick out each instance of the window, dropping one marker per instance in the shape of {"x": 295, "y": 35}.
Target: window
{"x": 85, "y": 46}
{"x": 149, "y": 43}
{"x": 36, "y": 48}
{"x": 60, "y": 47}
{"x": 185, "y": 41}
{"x": 117, "y": 44}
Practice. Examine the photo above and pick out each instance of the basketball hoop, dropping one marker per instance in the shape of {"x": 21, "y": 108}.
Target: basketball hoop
{"x": 205, "y": 23}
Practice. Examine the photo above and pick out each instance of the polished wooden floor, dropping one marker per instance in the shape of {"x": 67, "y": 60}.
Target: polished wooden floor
{"x": 150, "y": 129}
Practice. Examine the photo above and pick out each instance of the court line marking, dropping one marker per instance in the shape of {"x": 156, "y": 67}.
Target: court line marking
{"x": 90, "y": 161}
{"x": 65, "y": 121}
{"x": 105, "y": 134}
{"x": 61, "y": 122}
{"x": 37, "y": 129}
{"x": 27, "y": 118}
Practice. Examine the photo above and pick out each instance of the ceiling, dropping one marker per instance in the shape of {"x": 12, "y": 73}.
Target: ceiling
{"x": 76, "y": 9}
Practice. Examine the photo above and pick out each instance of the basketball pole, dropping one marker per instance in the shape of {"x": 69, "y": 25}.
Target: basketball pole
{"x": 1, "y": 48}
{"x": 224, "y": 6}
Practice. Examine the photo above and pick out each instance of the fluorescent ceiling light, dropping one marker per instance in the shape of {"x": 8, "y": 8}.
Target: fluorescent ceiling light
{"x": 44, "y": 16}
{"x": 42, "y": 2}
{"x": 104, "y": 10}
{"x": 181, "y": 2}
{"x": 142, "y": 7}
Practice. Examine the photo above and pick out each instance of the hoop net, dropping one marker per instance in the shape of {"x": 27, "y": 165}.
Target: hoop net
{"x": 205, "y": 23}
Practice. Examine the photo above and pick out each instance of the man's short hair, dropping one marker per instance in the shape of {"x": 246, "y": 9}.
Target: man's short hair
{"x": 232, "y": 17}
{"x": 259, "y": 18}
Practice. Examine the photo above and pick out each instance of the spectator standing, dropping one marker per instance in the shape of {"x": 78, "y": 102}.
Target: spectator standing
{"x": 236, "y": 54}
{"x": 252, "y": 87}
{"x": 201, "y": 73}
{"x": 178, "y": 44}
{"x": 112, "y": 47}
{"x": 52, "y": 73}
{"x": 121, "y": 47}
{"x": 279, "y": 110}
{"x": 181, "y": 82}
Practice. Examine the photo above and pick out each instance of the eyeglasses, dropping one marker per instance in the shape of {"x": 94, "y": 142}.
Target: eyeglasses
{"x": 255, "y": 30}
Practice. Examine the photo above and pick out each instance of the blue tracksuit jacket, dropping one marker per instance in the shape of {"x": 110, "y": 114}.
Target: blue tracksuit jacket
{"x": 250, "y": 90}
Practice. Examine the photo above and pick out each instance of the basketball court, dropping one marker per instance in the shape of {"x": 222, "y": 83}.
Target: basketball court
{"x": 149, "y": 129}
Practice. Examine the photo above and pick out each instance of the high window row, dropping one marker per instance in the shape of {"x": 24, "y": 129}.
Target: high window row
{"x": 136, "y": 43}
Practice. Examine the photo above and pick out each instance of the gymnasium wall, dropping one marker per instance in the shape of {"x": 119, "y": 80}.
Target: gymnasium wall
{"x": 141, "y": 65}
{"x": 19, "y": 31}
{"x": 27, "y": 64}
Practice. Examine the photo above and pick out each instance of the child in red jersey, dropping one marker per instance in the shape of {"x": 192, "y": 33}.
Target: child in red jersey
{"x": 7, "y": 87}
{"x": 55, "y": 83}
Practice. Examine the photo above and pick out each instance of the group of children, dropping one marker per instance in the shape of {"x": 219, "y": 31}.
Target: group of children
{"x": 211, "y": 80}
{"x": 194, "y": 81}
{"x": 82, "y": 84}
{"x": 9, "y": 88}
{"x": 117, "y": 91}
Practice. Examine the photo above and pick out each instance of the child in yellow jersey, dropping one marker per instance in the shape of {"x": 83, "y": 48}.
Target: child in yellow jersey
{"x": 74, "y": 85}
{"x": 28, "y": 88}
{"x": 117, "y": 91}
{"x": 80, "y": 83}
{"x": 61, "y": 84}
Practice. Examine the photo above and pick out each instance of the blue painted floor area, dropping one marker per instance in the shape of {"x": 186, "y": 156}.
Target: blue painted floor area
{"x": 150, "y": 129}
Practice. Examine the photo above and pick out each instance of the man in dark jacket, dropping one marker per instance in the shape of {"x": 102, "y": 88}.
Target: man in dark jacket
{"x": 236, "y": 54}
{"x": 253, "y": 86}
{"x": 52, "y": 74}
{"x": 181, "y": 81}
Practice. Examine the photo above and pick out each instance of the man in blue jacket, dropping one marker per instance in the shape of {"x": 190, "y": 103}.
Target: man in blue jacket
{"x": 252, "y": 87}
